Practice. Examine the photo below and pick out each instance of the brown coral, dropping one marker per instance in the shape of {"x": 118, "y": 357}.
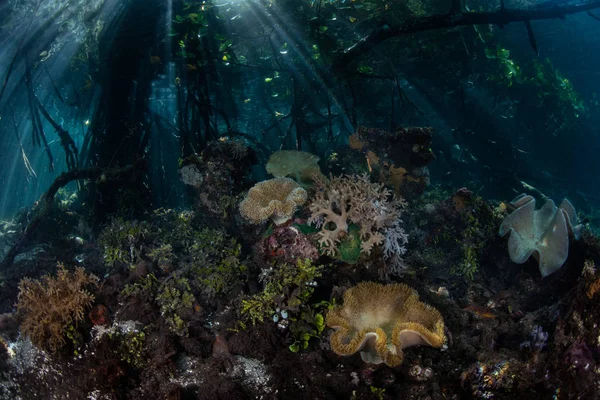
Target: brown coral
{"x": 298, "y": 165}
{"x": 51, "y": 305}
{"x": 275, "y": 198}
{"x": 382, "y": 320}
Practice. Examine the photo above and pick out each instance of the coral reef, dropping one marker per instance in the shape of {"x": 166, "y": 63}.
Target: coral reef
{"x": 382, "y": 320}
{"x": 275, "y": 199}
{"x": 347, "y": 200}
{"x": 52, "y": 305}
{"x": 543, "y": 233}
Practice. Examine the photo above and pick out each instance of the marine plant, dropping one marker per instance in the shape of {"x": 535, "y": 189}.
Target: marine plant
{"x": 52, "y": 306}
{"x": 217, "y": 265}
{"x": 176, "y": 301}
{"x": 287, "y": 287}
{"x": 123, "y": 242}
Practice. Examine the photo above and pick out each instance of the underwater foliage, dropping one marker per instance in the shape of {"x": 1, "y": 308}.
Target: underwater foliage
{"x": 175, "y": 299}
{"x": 123, "y": 242}
{"x": 287, "y": 287}
{"x": 53, "y": 305}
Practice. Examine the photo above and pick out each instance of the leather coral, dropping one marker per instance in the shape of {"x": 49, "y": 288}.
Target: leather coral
{"x": 543, "y": 233}
{"x": 380, "y": 321}
{"x": 276, "y": 199}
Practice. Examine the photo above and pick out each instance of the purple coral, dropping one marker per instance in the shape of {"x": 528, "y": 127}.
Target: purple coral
{"x": 538, "y": 340}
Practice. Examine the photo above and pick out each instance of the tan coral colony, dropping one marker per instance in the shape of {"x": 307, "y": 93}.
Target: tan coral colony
{"x": 381, "y": 320}
{"x": 275, "y": 198}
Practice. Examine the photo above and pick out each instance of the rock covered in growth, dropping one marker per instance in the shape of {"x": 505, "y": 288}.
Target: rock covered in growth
{"x": 285, "y": 244}
{"x": 543, "y": 233}
{"x": 219, "y": 174}
{"x": 400, "y": 157}
{"x": 298, "y": 165}
{"x": 382, "y": 320}
{"x": 51, "y": 305}
{"x": 347, "y": 200}
{"x": 276, "y": 199}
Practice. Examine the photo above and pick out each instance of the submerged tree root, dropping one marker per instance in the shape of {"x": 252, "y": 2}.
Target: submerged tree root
{"x": 43, "y": 205}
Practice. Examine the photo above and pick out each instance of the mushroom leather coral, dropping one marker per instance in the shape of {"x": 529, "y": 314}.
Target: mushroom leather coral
{"x": 275, "y": 198}
{"x": 382, "y": 320}
{"x": 299, "y": 165}
{"x": 543, "y": 233}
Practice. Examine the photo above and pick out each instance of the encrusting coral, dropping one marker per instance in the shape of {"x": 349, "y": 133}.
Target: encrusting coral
{"x": 275, "y": 198}
{"x": 543, "y": 233}
{"x": 347, "y": 200}
{"x": 381, "y": 320}
{"x": 298, "y": 165}
{"x": 52, "y": 305}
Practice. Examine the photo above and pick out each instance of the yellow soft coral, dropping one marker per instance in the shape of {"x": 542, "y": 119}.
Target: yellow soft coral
{"x": 382, "y": 320}
{"x": 275, "y": 198}
{"x": 51, "y": 305}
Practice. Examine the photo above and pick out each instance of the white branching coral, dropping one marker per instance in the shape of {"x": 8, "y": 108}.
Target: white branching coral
{"x": 346, "y": 200}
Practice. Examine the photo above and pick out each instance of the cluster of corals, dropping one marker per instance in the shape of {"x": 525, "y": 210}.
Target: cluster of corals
{"x": 347, "y": 200}
{"x": 52, "y": 305}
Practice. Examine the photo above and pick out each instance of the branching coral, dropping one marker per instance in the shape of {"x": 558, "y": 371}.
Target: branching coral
{"x": 347, "y": 200}
{"x": 275, "y": 198}
{"x": 52, "y": 305}
{"x": 382, "y": 320}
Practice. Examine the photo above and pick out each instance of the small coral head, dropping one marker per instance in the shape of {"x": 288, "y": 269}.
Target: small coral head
{"x": 379, "y": 321}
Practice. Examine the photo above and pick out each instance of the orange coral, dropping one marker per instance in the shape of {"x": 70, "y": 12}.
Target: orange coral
{"x": 51, "y": 305}
{"x": 593, "y": 289}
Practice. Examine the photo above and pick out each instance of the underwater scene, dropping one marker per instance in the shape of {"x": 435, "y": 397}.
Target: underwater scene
{"x": 299, "y": 199}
